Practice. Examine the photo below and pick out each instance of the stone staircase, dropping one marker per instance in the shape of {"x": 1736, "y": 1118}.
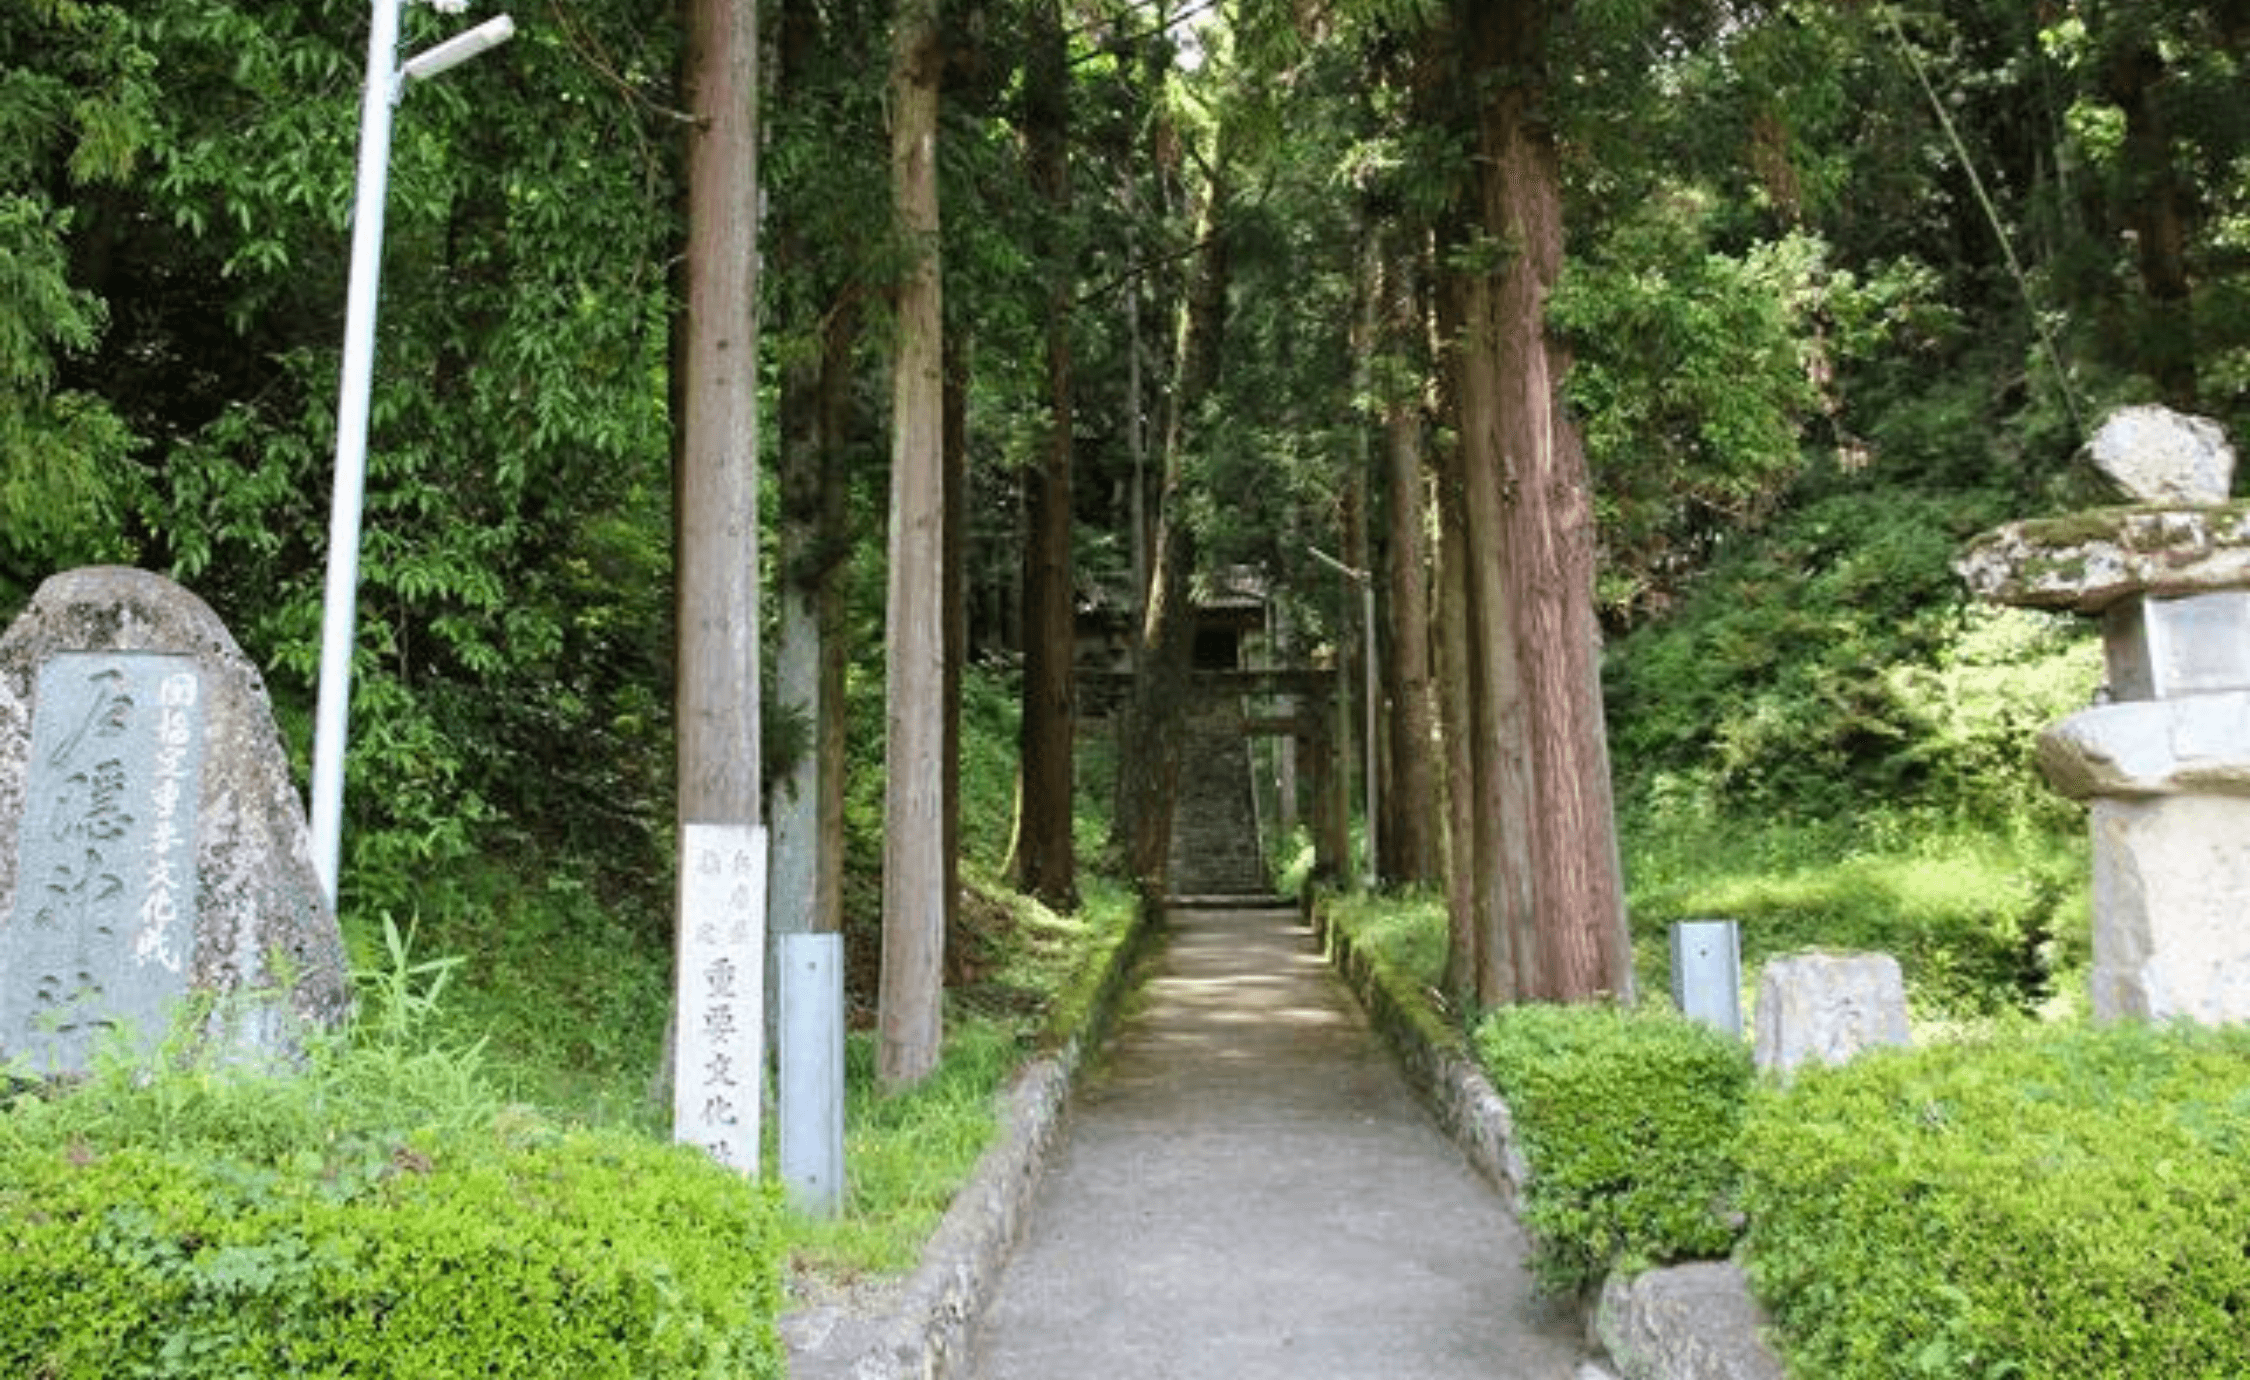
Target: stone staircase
{"x": 1216, "y": 849}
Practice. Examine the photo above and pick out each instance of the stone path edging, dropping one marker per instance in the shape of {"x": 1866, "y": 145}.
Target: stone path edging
{"x": 926, "y": 1333}
{"x": 1686, "y": 1322}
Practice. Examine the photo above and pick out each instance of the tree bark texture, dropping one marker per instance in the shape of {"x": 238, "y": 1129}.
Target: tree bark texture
{"x": 1046, "y": 865}
{"x": 1468, "y": 926}
{"x": 1409, "y": 794}
{"x": 1533, "y": 479}
{"x": 955, "y": 598}
{"x": 1500, "y": 783}
{"x": 910, "y": 988}
{"x": 716, "y": 702}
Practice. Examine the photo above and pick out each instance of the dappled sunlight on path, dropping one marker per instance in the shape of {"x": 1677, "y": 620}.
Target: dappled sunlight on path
{"x": 1248, "y": 1189}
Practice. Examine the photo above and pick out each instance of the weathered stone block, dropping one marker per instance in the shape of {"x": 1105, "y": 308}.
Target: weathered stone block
{"x": 1688, "y": 1322}
{"x": 2085, "y": 562}
{"x": 2172, "y": 908}
{"x": 2152, "y": 454}
{"x": 2164, "y": 649}
{"x": 2151, "y": 748}
{"x": 151, "y": 843}
{"x": 1827, "y": 1008}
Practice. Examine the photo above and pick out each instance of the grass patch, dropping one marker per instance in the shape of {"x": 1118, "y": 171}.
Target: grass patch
{"x": 906, "y": 1155}
{"x": 1983, "y": 920}
{"x": 1405, "y": 932}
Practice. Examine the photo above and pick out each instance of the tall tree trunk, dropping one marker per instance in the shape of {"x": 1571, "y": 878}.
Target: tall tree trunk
{"x": 1150, "y": 770}
{"x": 956, "y": 603}
{"x": 839, "y": 340}
{"x": 1469, "y": 927}
{"x": 806, "y": 876}
{"x": 1499, "y": 764}
{"x": 1409, "y": 793}
{"x": 911, "y": 985}
{"x": 716, "y": 525}
{"x": 1535, "y": 481}
{"x": 715, "y": 475}
{"x": 1045, "y": 862}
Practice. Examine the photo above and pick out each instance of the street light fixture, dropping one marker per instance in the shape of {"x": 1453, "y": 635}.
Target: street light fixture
{"x": 386, "y": 84}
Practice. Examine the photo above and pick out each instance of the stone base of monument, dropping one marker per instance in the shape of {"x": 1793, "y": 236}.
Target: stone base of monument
{"x": 153, "y": 850}
{"x": 2172, "y": 887}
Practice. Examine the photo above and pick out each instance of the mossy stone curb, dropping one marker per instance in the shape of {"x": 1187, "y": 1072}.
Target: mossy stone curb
{"x": 926, "y": 1334}
{"x": 1687, "y": 1322}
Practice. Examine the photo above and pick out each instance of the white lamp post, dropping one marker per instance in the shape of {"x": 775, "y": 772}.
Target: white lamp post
{"x": 386, "y": 83}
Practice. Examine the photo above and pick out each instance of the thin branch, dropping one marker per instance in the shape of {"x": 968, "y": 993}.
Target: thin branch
{"x": 589, "y": 53}
{"x": 1991, "y": 214}
{"x": 1170, "y": 22}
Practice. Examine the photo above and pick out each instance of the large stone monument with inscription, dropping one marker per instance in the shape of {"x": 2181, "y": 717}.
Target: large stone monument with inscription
{"x": 151, "y": 844}
{"x": 2165, "y": 762}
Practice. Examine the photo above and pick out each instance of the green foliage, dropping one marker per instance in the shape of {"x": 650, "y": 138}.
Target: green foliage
{"x": 2044, "y": 1203}
{"x": 580, "y": 1252}
{"x": 74, "y": 111}
{"x": 1691, "y": 373}
{"x": 1405, "y": 933}
{"x": 1768, "y": 689}
{"x": 1629, "y": 1120}
{"x": 1984, "y": 920}
{"x": 379, "y": 1212}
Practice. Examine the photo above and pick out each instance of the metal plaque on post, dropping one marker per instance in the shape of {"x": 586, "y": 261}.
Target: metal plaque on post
{"x": 1707, "y": 972}
{"x": 811, "y": 1092}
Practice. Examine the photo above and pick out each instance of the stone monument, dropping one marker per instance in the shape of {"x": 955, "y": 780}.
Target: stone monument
{"x": 1825, "y": 1008}
{"x": 151, "y": 845}
{"x": 2165, "y": 761}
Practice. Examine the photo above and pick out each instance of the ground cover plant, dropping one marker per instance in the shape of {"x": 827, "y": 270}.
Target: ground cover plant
{"x": 1628, "y": 1117}
{"x": 382, "y": 1211}
{"x": 2041, "y": 1202}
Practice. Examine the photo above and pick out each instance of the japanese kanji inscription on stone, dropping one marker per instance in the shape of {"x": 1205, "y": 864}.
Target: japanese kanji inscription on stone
{"x": 717, "y": 1081}
{"x": 105, "y": 913}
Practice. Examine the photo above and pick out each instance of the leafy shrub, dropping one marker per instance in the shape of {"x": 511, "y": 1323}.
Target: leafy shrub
{"x": 379, "y": 1213}
{"x": 582, "y": 1254}
{"x": 1629, "y": 1120}
{"x": 1768, "y": 682}
{"x": 2043, "y": 1203}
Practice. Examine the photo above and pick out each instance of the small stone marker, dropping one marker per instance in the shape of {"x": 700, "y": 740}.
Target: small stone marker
{"x": 811, "y": 1080}
{"x": 719, "y": 1078}
{"x": 1707, "y": 973}
{"x": 151, "y": 844}
{"x": 1826, "y": 1008}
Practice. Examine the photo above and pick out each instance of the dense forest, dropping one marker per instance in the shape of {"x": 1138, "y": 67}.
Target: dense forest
{"x": 1650, "y": 358}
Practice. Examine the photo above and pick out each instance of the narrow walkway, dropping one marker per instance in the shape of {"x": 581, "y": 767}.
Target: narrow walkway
{"x": 1247, "y": 1188}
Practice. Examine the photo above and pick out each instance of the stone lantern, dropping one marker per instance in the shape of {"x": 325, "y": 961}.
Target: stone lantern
{"x": 2165, "y": 763}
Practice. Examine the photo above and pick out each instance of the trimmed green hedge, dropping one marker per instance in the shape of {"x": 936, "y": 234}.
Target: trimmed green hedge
{"x": 503, "y": 1254}
{"x": 2047, "y": 1203}
{"x": 1629, "y": 1120}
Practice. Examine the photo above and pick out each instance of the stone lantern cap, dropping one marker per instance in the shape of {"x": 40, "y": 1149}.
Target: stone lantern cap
{"x": 2085, "y": 562}
{"x": 2179, "y": 536}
